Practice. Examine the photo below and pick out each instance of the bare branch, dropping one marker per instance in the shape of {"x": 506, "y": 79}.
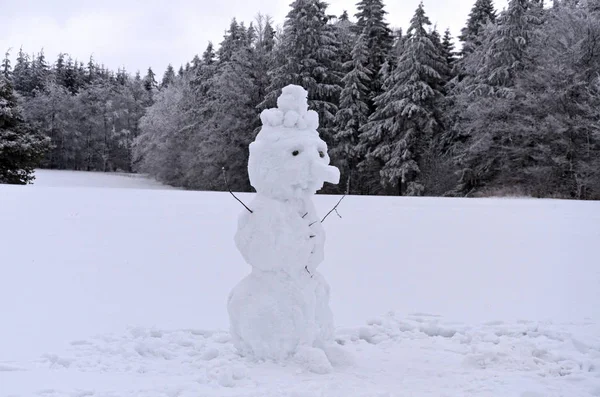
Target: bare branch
{"x": 333, "y": 209}
{"x": 227, "y": 185}
{"x": 338, "y": 203}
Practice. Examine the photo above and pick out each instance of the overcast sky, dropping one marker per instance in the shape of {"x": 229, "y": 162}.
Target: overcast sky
{"x": 138, "y": 34}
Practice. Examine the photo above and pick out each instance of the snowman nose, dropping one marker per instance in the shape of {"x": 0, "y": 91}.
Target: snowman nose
{"x": 326, "y": 173}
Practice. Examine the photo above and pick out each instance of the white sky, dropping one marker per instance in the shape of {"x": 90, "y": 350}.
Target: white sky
{"x": 138, "y": 34}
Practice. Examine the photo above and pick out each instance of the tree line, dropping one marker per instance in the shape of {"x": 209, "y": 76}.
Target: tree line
{"x": 515, "y": 111}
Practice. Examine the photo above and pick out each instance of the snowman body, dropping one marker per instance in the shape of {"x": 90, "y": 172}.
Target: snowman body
{"x": 281, "y": 309}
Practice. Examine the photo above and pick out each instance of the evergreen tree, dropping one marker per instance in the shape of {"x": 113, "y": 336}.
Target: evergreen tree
{"x": 346, "y": 36}
{"x": 209, "y": 55}
{"x": 21, "y": 148}
{"x": 353, "y": 112}
{"x": 71, "y": 79}
{"x": 379, "y": 41}
{"x": 6, "y": 71}
{"x": 233, "y": 40}
{"x": 168, "y": 77}
{"x": 307, "y": 57}
{"x": 122, "y": 76}
{"x": 91, "y": 70}
{"x": 448, "y": 50}
{"x": 40, "y": 72}
{"x": 494, "y": 125}
{"x": 60, "y": 70}
{"x": 150, "y": 80}
{"x": 503, "y": 54}
{"x": 482, "y": 13}
{"x": 22, "y": 73}
{"x": 399, "y": 133}
{"x": 267, "y": 41}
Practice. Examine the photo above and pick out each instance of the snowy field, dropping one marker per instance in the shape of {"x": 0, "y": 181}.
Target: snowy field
{"x": 112, "y": 285}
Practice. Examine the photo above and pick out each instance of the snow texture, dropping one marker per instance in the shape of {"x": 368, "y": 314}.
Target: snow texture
{"x": 281, "y": 309}
{"x": 119, "y": 292}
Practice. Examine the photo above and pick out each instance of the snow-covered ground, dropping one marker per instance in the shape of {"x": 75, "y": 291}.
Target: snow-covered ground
{"x": 54, "y": 178}
{"x": 122, "y": 292}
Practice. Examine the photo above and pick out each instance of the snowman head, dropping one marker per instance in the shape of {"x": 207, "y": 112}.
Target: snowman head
{"x": 288, "y": 159}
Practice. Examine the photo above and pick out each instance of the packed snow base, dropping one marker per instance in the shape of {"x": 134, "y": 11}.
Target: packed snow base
{"x": 281, "y": 309}
{"x": 396, "y": 356}
{"x": 121, "y": 292}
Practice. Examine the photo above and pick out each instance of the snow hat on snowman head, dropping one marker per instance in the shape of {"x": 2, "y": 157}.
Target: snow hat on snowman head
{"x": 287, "y": 158}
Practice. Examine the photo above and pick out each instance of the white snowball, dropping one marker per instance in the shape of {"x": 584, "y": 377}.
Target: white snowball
{"x": 301, "y": 124}
{"x": 290, "y": 119}
{"x": 313, "y": 359}
{"x": 293, "y": 97}
{"x": 271, "y": 117}
{"x": 271, "y": 314}
{"x": 312, "y": 119}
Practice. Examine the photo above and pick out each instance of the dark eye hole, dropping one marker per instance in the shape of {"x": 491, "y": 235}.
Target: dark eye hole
{"x": 321, "y": 153}
{"x": 295, "y": 153}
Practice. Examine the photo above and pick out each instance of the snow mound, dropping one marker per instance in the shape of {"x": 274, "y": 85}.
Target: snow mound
{"x": 501, "y": 359}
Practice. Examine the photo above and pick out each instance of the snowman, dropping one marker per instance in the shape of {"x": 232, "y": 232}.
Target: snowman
{"x": 281, "y": 311}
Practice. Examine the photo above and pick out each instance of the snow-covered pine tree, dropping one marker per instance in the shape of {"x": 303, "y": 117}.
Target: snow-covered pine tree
{"x": 40, "y": 72}
{"x": 503, "y": 54}
{"x": 234, "y": 38}
{"x": 22, "y": 73}
{"x": 353, "y": 113}
{"x": 406, "y": 121}
{"x": 307, "y": 56}
{"x": 6, "y": 69}
{"x": 150, "y": 83}
{"x": 59, "y": 70}
{"x": 448, "y": 50}
{"x": 21, "y": 148}
{"x": 122, "y": 76}
{"x": 379, "y": 41}
{"x": 482, "y": 13}
{"x": 91, "y": 70}
{"x": 346, "y": 36}
{"x": 71, "y": 80}
{"x": 490, "y": 119}
{"x": 168, "y": 77}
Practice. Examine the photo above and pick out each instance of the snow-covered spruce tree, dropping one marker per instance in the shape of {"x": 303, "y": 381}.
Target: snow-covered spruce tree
{"x": 307, "y": 56}
{"x": 21, "y": 148}
{"x": 353, "y": 113}
{"x": 346, "y": 36}
{"x": 227, "y": 120}
{"x": 6, "y": 69}
{"x": 448, "y": 51}
{"x": 168, "y": 77}
{"x": 159, "y": 148}
{"x": 481, "y": 14}
{"x": 559, "y": 155}
{"x": 406, "y": 121}
{"x": 437, "y": 40}
{"x": 379, "y": 41}
{"x": 489, "y": 118}
{"x": 22, "y": 74}
{"x": 40, "y": 72}
{"x": 150, "y": 83}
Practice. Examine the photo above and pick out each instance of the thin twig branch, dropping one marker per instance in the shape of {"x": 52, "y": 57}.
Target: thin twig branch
{"x": 338, "y": 203}
{"x": 227, "y": 186}
{"x": 333, "y": 209}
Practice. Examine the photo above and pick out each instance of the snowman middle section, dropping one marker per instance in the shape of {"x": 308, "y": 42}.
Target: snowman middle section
{"x": 283, "y": 303}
